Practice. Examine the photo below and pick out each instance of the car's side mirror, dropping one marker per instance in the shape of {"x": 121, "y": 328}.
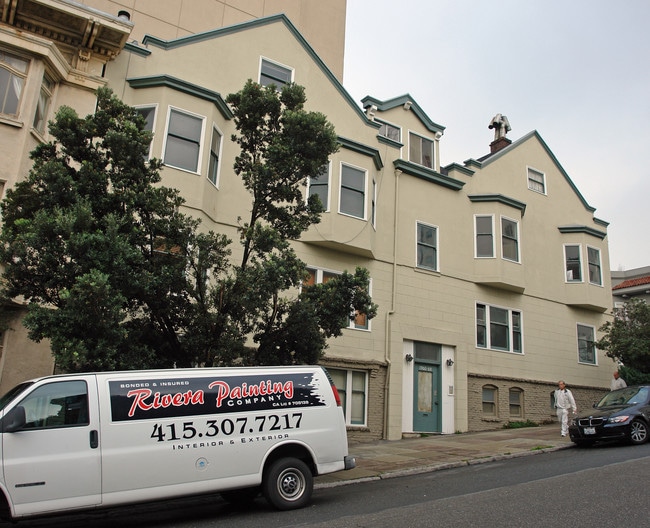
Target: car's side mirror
{"x": 14, "y": 420}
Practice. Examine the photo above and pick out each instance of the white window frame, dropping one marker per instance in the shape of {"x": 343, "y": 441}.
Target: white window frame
{"x": 593, "y": 344}
{"x": 154, "y": 107}
{"x": 494, "y": 391}
{"x": 43, "y": 104}
{"x": 599, "y": 265}
{"x": 421, "y": 150}
{"x": 348, "y": 188}
{"x": 13, "y": 72}
{"x": 568, "y": 273}
{"x": 273, "y": 80}
{"x": 219, "y": 158}
{"x": 326, "y": 184}
{"x": 534, "y": 183}
{"x": 347, "y": 404}
{"x": 476, "y": 236}
{"x": 435, "y": 246}
{"x": 384, "y": 130}
{"x": 199, "y": 156}
{"x": 487, "y": 325}
{"x": 517, "y": 239}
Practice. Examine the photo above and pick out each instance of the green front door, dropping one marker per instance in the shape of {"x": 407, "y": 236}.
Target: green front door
{"x": 426, "y": 398}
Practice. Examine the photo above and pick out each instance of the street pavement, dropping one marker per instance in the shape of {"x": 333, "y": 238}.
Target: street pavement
{"x": 393, "y": 458}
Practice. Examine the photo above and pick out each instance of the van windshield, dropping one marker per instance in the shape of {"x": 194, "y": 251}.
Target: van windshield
{"x": 9, "y": 396}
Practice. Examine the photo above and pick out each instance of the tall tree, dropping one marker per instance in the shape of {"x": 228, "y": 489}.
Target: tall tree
{"x": 627, "y": 336}
{"x": 282, "y": 145}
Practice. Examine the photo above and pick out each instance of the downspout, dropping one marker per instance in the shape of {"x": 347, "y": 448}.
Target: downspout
{"x": 389, "y": 313}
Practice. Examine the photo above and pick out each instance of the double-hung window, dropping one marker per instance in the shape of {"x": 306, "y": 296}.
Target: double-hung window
{"x": 586, "y": 344}
{"x": 319, "y": 185}
{"x": 352, "y": 386}
{"x": 573, "y": 263}
{"x": 149, "y": 115}
{"x": 353, "y": 192}
{"x": 215, "y": 152}
{"x": 484, "y": 229}
{"x": 183, "y": 142}
{"x": 13, "y": 74}
{"x": 515, "y": 397}
{"x": 489, "y": 400}
{"x": 498, "y": 328}
{"x": 595, "y": 275}
{"x": 509, "y": 239}
{"x": 427, "y": 247}
{"x": 420, "y": 150}
{"x": 43, "y": 104}
{"x": 536, "y": 181}
{"x": 274, "y": 73}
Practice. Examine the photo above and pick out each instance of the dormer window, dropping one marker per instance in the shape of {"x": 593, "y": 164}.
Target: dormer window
{"x": 420, "y": 150}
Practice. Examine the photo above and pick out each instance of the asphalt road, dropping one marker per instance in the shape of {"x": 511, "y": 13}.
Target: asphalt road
{"x": 604, "y": 486}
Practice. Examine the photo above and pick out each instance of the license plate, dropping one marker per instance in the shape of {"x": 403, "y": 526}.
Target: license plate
{"x": 589, "y": 430}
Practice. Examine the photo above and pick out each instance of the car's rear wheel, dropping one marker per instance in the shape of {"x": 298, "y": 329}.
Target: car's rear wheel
{"x": 638, "y": 432}
{"x": 288, "y": 484}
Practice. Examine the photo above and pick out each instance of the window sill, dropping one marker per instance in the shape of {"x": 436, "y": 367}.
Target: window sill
{"x": 11, "y": 122}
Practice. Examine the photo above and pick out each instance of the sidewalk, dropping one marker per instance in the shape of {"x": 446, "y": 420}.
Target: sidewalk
{"x": 386, "y": 459}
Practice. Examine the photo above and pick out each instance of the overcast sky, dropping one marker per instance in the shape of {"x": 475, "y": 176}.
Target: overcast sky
{"x": 577, "y": 71}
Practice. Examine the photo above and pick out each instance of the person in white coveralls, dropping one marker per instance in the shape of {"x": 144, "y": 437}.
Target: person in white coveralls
{"x": 564, "y": 402}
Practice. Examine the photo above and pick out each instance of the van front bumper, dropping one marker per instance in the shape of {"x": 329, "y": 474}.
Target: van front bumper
{"x": 350, "y": 462}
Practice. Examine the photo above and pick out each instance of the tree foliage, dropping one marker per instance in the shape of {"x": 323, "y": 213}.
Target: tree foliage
{"x": 626, "y": 337}
{"x": 117, "y": 278}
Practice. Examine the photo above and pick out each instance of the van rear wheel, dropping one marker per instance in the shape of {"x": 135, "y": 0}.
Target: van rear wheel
{"x": 288, "y": 484}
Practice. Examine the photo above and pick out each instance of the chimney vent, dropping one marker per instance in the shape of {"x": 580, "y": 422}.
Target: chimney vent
{"x": 501, "y": 127}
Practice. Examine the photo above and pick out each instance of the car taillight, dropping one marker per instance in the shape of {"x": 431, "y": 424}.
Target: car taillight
{"x": 336, "y": 394}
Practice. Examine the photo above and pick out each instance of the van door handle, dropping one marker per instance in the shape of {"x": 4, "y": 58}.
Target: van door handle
{"x": 94, "y": 439}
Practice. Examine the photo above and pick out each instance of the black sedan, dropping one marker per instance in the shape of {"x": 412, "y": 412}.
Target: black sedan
{"x": 623, "y": 414}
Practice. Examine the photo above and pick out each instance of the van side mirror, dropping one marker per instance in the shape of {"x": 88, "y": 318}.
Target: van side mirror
{"x": 14, "y": 420}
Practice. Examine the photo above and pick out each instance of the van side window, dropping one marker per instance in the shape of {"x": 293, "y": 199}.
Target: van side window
{"x": 59, "y": 404}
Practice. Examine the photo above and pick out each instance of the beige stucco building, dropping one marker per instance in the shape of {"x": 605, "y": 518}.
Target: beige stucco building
{"x": 491, "y": 276}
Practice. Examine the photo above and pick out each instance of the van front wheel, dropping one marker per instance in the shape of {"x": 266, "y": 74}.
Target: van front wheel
{"x": 288, "y": 484}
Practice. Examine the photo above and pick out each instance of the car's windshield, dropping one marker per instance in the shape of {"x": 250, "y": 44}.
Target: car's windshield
{"x": 627, "y": 396}
{"x": 13, "y": 393}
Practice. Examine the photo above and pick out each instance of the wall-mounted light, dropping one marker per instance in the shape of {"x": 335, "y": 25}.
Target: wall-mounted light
{"x": 450, "y": 362}
{"x": 407, "y": 105}
{"x": 124, "y": 15}
{"x": 408, "y": 358}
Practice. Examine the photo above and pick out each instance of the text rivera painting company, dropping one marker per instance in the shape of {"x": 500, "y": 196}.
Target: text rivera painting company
{"x": 144, "y": 399}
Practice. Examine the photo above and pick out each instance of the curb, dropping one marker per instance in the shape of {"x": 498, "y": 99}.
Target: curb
{"x": 439, "y": 467}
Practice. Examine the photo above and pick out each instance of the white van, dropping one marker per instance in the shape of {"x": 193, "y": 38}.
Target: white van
{"x": 96, "y": 440}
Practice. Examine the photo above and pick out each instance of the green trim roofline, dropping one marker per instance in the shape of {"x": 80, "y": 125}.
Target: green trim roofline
{"x": 523, "y": 139}
{"x": 362, "y": 149}
{"x": 167, "y": 81}
{"x": 582, "y": 229}
{"x": 150, "y": 40}
{"x": 427, "y": 174}
{"x": 402, "y": 100}
{"x": 500, "y": 198}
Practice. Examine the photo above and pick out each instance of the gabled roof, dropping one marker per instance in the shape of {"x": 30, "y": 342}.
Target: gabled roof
{"x": 406, "y": 101}
{"x": 150, "y": 40}
{"x": 490, "y": 158}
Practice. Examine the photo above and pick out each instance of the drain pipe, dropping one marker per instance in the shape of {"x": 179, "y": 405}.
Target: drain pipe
{"x": 389, "y": 313}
